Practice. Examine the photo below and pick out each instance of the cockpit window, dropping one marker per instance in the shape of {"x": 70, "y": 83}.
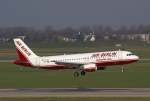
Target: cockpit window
{"x": 130, "y": 54}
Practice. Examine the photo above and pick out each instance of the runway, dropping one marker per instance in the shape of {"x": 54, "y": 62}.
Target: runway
{"x": 76, "y": 92}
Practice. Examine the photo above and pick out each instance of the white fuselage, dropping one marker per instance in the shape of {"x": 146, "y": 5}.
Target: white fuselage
{"x": 99, "y": 58}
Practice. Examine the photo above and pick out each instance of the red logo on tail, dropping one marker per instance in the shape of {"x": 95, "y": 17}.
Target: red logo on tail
{"x": 23, "y": 48}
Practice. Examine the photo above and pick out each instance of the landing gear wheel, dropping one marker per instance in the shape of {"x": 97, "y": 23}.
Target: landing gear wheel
{"x": 83, "y": 73}
{"x": 76, "y": 74}
{"x": 122, "y": 70}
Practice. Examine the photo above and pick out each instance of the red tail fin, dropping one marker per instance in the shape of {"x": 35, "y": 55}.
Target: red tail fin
{"x": 21, "y": 56}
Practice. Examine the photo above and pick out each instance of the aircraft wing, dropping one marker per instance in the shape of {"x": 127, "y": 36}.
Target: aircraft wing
{"x": 71, "y": 64}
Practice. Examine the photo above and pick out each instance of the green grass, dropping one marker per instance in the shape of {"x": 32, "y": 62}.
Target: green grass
{"x": 136, "y": 75}
{"x": 75, "y": 99}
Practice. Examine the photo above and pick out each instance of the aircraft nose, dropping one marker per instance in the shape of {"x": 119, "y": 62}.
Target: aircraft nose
{"x": 137, "y": 57}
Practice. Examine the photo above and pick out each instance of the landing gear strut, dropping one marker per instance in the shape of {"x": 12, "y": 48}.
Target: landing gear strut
{"x": 122, "y": 69}
{"x": 76, "y": 73}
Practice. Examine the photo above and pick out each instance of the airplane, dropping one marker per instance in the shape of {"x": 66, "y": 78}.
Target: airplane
{"x": 86, "y": 62}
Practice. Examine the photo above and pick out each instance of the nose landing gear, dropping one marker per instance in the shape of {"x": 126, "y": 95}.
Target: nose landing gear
{"x": 122, "y": 69}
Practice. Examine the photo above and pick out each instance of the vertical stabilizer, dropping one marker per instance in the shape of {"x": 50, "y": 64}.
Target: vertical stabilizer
{"x": 24, "y": 52}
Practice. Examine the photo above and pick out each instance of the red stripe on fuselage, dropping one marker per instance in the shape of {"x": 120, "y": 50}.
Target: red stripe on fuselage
{"x": 55, "y": 67}
{"x": 118, "y": 62}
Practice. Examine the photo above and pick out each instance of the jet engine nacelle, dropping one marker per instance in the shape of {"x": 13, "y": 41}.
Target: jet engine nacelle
{"x": 101, "y": 68}
{"x": 90, "y": 67}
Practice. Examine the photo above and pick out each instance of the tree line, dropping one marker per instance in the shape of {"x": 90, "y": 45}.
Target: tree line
{"x": 50, "y": 35}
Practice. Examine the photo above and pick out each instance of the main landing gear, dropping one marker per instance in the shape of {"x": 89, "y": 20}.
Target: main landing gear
{"x": 77, "y": 74}
{"x": 83, "y": 73}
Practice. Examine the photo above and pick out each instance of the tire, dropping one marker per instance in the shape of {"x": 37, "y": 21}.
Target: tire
{"x": 83, "y": 73}
{"x": 76, "y": 74}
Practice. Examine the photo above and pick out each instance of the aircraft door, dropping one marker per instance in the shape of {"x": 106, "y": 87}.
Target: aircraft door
{"x": 119, "y": 55}
{"x": 37, "y": 62}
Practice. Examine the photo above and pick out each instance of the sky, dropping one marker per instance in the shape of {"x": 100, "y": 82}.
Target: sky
{"x": 74, "y": 13}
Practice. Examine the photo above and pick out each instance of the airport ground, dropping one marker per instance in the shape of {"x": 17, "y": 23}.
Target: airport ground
{"x": 136, "y": 75}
